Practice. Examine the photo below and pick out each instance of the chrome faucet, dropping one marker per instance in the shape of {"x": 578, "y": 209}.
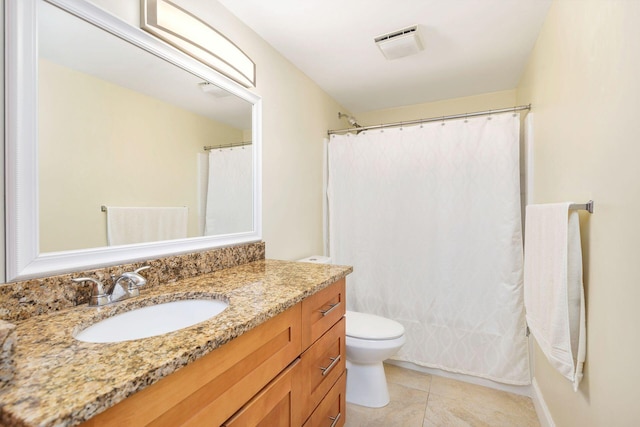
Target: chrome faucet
{"x": 119, "y": 291}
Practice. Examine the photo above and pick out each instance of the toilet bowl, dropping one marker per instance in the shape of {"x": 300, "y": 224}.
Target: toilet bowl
{"x": 370, "y": 340}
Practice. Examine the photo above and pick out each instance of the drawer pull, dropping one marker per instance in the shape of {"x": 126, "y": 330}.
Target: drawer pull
{"x": 335, "y": 419}
{"x": 334, "y": 361}
{"x": 330, "y": 309}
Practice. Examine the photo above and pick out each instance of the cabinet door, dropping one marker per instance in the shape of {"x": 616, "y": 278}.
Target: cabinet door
{"x": 331, "y": 412}
{"x": 276, "y": 405}
{"x": 321, "y": 311}
{"x": 321, "y": 366}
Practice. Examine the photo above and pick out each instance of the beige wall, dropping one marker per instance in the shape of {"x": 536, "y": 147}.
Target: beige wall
{"x": 468, "y": 104}
{"x": 583, "y": 82}
{"x": 296, "y": 117}
{"x": 128, "y": 149}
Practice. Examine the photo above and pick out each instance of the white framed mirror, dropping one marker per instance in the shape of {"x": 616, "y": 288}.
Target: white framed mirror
{"x": 100, "y": 113}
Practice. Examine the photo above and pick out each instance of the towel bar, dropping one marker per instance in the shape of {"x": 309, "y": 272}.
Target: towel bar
{"x": 582, "y": 206}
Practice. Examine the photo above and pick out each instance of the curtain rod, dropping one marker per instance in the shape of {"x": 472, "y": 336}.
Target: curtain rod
{"x": 431, "y": 119}
{"x": 230, "y": 145}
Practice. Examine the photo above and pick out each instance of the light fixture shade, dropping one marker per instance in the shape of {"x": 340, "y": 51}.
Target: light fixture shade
{"x": 400, "y": 43}
{"x": 196, "y": 38}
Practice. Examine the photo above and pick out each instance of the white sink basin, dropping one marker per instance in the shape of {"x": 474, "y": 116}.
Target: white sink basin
{"x": 153, "y": 320}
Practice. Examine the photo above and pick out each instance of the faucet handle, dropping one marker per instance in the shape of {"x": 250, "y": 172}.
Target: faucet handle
{"x": 145, "y": 267}
{"x": 135, "y": 280}
{"x": 98, "y": 295}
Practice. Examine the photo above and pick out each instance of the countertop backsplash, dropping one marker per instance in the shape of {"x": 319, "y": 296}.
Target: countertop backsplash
{"x": 22, "y": 300}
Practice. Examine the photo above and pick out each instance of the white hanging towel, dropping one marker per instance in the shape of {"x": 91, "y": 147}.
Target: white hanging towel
{"x": 128, "y": 225}
{"x": 553, "y": 289}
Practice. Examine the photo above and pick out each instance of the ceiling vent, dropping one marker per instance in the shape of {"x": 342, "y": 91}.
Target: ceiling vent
{"x": 400, "y": 43}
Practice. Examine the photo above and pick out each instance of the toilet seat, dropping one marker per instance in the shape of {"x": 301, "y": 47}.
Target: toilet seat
{"x": 371, "y": 327}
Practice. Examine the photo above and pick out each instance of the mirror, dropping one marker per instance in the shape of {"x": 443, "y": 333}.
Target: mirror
{"x": 108, "y": 117}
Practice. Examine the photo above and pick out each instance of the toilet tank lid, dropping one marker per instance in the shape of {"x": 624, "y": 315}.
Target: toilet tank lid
{"x": 371, "y": 327}
{"x": 316, "y": 259}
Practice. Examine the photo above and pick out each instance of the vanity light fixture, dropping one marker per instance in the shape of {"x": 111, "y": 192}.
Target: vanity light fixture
{"x": 400, "y": 43}
{"x": 198, "y": 39}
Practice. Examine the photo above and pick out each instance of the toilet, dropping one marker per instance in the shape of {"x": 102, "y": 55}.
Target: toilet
{"x": 370, "y": 340}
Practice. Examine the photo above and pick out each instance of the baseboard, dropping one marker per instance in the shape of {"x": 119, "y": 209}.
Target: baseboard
{"x": 524, "y": 390}
{"x": 542, "y": 410}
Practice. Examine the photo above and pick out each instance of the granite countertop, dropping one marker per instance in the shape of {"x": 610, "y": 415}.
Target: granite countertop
{"x": 60, "y": 381}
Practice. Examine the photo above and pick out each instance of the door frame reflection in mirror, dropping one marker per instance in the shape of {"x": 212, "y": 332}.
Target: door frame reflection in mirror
{"x": 23, "y": 259}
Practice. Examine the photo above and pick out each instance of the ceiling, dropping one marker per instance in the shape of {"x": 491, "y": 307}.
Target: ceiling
{"x": 470, "y": 46}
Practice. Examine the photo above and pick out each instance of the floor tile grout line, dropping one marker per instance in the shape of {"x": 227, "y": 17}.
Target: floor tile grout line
{"x": 426, "y": 407}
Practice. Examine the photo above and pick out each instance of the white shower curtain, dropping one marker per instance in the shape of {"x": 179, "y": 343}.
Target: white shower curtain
{"x": 429, "y": 216}
{"x": 229, "y": 206}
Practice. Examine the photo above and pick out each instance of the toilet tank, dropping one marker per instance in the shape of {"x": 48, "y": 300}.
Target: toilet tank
{"x": 316, "y": 259}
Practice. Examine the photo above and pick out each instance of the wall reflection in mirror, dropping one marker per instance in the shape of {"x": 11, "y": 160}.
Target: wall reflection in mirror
{"x": 120, "y": 127}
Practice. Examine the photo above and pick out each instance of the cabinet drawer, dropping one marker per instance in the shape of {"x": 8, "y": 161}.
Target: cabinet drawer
{"x": 321, "y": 311}
{"x": 331, "y": 411}
{"x": 211, "y": 389}
{"x": 276, "y": 405}
{"x": 321, "y": 366}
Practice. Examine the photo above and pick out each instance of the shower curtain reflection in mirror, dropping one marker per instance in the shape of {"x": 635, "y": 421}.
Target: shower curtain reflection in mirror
{"x": 229, "y": 193}
{"x": 429, "y": 217}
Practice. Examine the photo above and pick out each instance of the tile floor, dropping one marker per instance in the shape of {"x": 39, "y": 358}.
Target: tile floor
{"x": 423, "y": 400}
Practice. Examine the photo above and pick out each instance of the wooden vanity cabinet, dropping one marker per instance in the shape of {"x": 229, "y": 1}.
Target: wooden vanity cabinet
{"x": 323, "y": 361}
{"x": 289, "y": 371}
